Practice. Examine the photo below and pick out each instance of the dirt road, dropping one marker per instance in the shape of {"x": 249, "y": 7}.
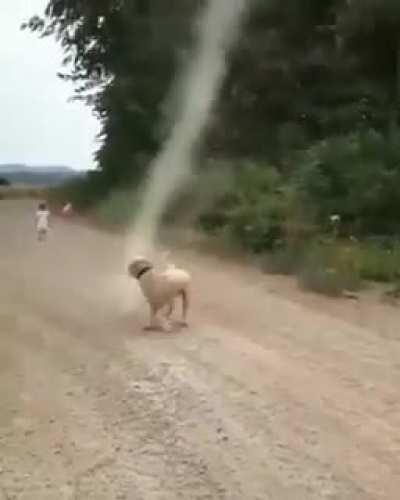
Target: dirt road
{"x": 262, "y": 398}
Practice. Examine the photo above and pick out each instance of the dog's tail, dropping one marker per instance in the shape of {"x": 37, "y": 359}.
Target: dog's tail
{"x": 166, "y": 262}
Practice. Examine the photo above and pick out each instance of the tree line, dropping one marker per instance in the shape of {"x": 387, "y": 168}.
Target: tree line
{"x": 308, "y": 114}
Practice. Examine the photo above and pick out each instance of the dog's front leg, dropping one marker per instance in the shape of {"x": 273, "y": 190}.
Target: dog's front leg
{"x": 154, "y": 323}
{"x": 164, "y": 317}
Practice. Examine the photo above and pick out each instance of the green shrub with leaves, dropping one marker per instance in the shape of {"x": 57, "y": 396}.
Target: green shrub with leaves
{"x": 286, "y": 260}
{"x": 284, "y": 218}
{"x": 330, "y": 268}
{"x": 84, "y": 193}
{"x": 118, "y": 210}
{"x": 378, "y": 261}
{"x": 356, "y": 176}
{"x": 252, "y": 212}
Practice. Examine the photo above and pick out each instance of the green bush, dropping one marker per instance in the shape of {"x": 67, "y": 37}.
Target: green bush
{"x": 83, "y": 193}
{"x": 200, "y": 196}
{"x": 286, "y": 260}
{"x": 278, "y": 215}
{"x": 252, "y": 212}
{"x": 356, "y": 176}
{"x": 334, "y": 266}
{"x": 378, "y": 263}
{"x": 330, "y": 268}
{"x": 118, "y": 210}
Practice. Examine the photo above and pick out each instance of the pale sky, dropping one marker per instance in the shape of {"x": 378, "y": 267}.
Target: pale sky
{"x": 37, "y": 124}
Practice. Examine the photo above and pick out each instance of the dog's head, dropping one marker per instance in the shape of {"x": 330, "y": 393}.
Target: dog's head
{"x": 139, "y": 266}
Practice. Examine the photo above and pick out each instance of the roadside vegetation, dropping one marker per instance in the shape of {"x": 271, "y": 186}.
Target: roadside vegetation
{"x": 300, "y": 165}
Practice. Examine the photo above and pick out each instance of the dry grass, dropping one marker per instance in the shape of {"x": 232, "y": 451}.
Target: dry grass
{"x": 22, "y": 192}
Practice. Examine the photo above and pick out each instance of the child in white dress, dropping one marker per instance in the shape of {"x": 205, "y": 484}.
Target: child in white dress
{"x": 42, "y": 221}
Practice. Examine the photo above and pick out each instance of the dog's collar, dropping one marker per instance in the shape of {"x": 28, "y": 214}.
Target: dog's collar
{"x": 143, "y": 271}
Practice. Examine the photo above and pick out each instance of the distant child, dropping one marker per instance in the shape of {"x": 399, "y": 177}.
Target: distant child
{"x": 67, "y": 210}
{"x": 42, "y": 221}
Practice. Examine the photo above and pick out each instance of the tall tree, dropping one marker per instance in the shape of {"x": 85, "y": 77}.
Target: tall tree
{"x": 121, "y": 56}
{"x": 303, "y": 70}
{"x": 281, "y": 84}
{"x": 370, "y": 30}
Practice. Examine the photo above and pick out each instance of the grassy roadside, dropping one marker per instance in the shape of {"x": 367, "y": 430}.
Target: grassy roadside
{"x": 327, "y": 214}
{"x": 327, "y": 264}
{"x": 22, "y": 192}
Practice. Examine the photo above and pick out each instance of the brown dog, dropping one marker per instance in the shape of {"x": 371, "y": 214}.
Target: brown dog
{"x": 161, "y": 289}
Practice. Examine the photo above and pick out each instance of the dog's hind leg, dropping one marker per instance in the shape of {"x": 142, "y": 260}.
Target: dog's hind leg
{"x": 170, "y": 309}
{"x": 185, "y": 305}
{"x": 157, "y": 323}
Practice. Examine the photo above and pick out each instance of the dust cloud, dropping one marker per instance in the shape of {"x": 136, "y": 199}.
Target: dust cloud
{"x": 217, "y": 30}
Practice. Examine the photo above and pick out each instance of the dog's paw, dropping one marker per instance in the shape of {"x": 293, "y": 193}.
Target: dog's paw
{"x": 168, "y": 327}
{"x": 152, "y": 328}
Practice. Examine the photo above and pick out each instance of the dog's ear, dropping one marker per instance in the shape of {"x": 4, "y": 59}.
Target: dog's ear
{"x": 137, "y": 265}
{"x": 142, "y": 262}
{"x": 132, "y": 269}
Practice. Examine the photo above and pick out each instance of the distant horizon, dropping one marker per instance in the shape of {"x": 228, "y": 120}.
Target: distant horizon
{"x": 41, "y": 165}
